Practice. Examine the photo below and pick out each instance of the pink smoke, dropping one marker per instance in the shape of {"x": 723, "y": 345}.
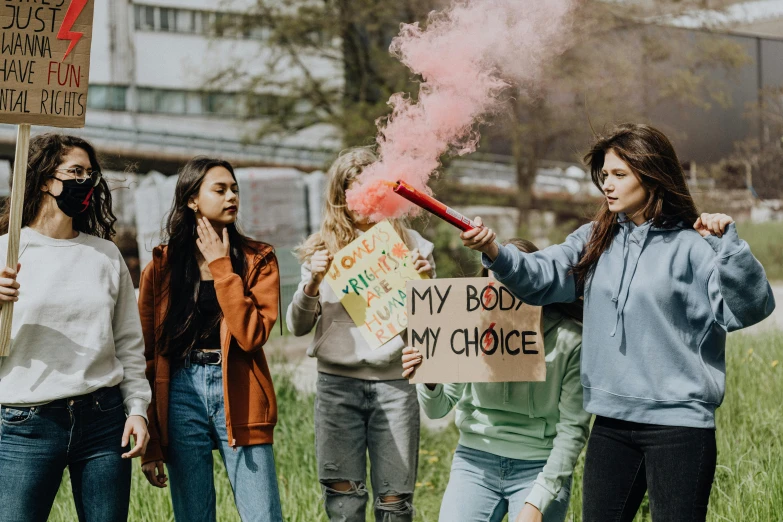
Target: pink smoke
{"x": 467, "y": 56}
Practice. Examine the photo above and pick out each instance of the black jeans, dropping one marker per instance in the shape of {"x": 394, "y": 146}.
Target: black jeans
{"x": 625, "y": 459}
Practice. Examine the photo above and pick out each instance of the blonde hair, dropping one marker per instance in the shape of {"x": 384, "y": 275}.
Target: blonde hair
{"x": 337, "y": 227}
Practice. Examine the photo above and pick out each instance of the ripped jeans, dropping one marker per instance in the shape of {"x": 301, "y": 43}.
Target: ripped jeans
{"x": 354, "y": 418}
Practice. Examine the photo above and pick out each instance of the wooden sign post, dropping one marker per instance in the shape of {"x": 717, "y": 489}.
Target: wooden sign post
{"x": 369, "y": 276}
{"x": 474, "y": 330}
{"x": 44, "y": 71}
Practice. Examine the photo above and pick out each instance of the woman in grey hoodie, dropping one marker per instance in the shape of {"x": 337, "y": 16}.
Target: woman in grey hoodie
{"x": 662, "y": 286}
{"x": 362, "y": 405}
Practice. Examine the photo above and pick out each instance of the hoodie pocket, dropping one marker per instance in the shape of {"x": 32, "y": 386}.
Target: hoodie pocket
{"x": 336, "y": 345}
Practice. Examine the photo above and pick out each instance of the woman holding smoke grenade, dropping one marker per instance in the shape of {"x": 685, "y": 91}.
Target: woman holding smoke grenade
{"x": 662, "y": 285}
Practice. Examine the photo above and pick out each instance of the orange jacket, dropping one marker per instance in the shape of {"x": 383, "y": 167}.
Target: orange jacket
{"x": 248, "y": 317}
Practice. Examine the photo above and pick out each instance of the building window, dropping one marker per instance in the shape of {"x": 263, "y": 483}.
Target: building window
{"x": 222, "y": 104}
{"x": 146, "y": 100}
{"x": 144, "y": 17}
{"x": 168, "y": 20}
{"x": 263, "y": 105}
{"x": 107, "y": 97}
{"x": 189, "y": 21}
{"x": 171, "y": 102}
{"x": 186, "y": 21}
{"x": 192, "y": 103}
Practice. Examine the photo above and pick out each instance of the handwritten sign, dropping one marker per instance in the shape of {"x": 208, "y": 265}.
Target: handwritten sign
{"x": 369, "y": 276}
{"x": 45, "y": 61}
{"x": 474, "y": 330}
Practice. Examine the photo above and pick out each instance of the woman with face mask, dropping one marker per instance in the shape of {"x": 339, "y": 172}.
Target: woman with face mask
{"x": 73, "y": 389}
{"x": 662, "y": 285}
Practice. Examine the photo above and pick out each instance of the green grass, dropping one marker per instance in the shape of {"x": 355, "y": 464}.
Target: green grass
{"x": 748, "y": 485}
{"x": 765, "y": 240}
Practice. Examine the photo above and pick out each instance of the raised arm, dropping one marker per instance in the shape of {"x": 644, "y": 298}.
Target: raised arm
{"x": 739, "y": 292}
{"x": 539, "y": 278}
{"x": 303, "y": 312}
{"x": 249, "y": 316}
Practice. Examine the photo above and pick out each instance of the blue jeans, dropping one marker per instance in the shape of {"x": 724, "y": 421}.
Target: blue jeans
{"x": 484, "y": 487}
{"x": 197, "y": 425}
{"x": 354, "y": 417}
{"x": 82, "y": 433}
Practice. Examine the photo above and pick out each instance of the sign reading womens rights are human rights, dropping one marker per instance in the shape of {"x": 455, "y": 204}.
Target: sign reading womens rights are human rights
{"x": 474, "y": 330}
{"x": 369, "y": 276}
{"x": 45, "y": 61}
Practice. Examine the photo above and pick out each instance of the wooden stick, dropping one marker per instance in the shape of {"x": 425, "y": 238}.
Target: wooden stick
{"x": 14, "y": 227}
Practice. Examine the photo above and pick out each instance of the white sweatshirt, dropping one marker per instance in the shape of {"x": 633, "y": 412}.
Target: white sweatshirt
{"x": 76, "y": 326}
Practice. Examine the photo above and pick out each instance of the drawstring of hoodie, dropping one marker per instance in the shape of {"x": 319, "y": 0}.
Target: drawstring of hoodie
{"x": 620, "y": 303}
{"x": 616, "y": 293}
{"x": 621, "y": 307}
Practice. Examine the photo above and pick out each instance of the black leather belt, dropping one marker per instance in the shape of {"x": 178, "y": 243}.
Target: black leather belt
{"x": 204, "y": 357}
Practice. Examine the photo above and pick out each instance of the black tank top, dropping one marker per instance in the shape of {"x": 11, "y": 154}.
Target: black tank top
{"x": 208, "y": 336}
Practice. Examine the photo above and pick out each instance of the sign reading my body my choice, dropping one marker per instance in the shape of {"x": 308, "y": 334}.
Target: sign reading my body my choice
{"x": 369, "y": 276}
{"x": 45, "y": 61}
{"x": 474, "y": 330}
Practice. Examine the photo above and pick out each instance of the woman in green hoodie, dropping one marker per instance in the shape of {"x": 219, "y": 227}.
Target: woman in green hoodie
{"x": 519, "y": 441}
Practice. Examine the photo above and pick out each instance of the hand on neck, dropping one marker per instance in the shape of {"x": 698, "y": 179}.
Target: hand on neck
{"x": 217, "y": 227}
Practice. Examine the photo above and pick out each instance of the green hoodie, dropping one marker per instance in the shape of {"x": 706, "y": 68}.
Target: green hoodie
{"x": 525, "y": 420}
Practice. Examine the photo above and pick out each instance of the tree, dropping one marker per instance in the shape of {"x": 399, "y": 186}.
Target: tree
{"x": 307, "y": 42}
{"x": 758, "y": 164}
{"x": 623, "y": 66}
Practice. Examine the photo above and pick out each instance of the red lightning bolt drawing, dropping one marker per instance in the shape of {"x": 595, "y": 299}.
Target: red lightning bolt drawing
{"x": 487, "y": 294}
{"x": 487, "y": 298}
{"x": 488, "y": 337}
{"x": 74, "y": 10}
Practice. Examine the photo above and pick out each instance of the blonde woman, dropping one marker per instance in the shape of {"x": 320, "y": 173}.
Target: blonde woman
{"x": 362, "y": 405}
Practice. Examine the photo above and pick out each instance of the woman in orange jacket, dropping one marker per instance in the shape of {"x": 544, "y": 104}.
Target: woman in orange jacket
{"x": 208, "y": 301}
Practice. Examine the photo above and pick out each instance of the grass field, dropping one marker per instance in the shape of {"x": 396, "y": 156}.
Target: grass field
{"x": 765, "y": 240}
{"x": 748, "y": 485}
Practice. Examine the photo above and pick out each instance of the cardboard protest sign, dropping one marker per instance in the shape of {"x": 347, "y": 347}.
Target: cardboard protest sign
{"x": 369, "y": 275}
{"x": 474, "y": 330}
{"x": 45, "y": 61}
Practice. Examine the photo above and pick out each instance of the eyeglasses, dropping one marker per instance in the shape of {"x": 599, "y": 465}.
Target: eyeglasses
{"x": 80, "y": 174}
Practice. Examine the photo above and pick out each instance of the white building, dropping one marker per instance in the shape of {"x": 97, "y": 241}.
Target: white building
{"x": 149, "y": 96}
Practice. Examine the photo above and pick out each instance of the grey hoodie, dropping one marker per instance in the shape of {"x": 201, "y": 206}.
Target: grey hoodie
{"x": 338, "y": 344}
{"x": 657, "y": 309}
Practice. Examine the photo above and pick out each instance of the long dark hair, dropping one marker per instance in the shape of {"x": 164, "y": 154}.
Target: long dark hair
{"x": 180, "y": 327}
{"x": 47, "y": 152}
{"x": 573, "y": 310}
{"x": 651, "y": 157}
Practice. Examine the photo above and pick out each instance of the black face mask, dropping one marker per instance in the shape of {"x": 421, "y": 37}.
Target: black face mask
{"x": 75, "y": 197}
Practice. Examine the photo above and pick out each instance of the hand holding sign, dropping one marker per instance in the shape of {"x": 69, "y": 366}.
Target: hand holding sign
{"x": 420, "y": 263}
{"x": 411, "y": 359}
{"x": 9, "y": 288}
